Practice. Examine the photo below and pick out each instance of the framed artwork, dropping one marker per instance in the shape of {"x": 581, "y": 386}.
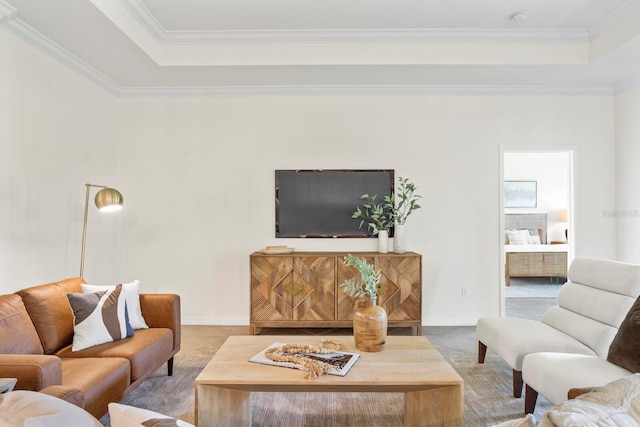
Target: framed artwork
{"x": 520, "y": 194}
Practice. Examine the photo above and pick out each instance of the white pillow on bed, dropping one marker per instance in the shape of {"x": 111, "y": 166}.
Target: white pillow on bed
{"x": 518, "y": 237}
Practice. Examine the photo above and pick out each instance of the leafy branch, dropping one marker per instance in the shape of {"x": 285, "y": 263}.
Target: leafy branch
{"x": 378, "y": 216}
{"x": 368, "y": 286}
{"x": 406, "y": 201}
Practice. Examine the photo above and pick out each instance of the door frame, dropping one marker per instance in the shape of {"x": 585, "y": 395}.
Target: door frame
{"x": 572, "y": 151}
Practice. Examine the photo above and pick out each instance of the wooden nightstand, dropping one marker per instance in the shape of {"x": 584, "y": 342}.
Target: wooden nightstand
{"x": 7, "y": 384}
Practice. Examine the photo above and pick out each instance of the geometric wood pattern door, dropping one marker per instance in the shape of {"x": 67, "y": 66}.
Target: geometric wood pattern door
{"x": 400, "y": 287}
{"x": 401, "y": 282}
{"x": 288, "y": 288}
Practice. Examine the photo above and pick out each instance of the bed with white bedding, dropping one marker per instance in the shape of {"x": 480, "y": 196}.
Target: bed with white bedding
{"x": 527, "y": 253}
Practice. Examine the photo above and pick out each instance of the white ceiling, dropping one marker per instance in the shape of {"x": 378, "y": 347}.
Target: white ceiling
{"x": 194, "y": 47}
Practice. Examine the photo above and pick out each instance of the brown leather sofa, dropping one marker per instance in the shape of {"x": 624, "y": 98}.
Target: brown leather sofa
{"x": 36, "y": 332}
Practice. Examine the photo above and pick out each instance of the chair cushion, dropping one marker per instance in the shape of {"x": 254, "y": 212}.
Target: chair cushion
{"x": 513, "y": 338}
{"x": 618, "y": 277}
{"x": 592, "y": 333}
{"x": 32, "y": 409}
{"x": 554, "y": 374}
{"x": 50, "y": 312}
{"x": 625, "y": 348}
{"x": 17, "y": 333}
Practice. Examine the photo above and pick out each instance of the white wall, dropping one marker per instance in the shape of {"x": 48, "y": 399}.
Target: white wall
{"x": 57, "y": 132}
{"x": 197, "y": 177}
{"x": 626, "y": 212}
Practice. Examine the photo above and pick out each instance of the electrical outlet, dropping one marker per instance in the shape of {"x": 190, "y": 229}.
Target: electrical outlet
{"x": 465, "y": 291}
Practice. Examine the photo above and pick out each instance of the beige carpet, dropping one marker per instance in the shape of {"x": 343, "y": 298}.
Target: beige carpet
{"x": 488, "y": 399}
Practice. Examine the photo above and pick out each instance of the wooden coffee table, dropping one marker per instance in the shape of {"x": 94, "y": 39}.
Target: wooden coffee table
{"x": 433, "y": 391}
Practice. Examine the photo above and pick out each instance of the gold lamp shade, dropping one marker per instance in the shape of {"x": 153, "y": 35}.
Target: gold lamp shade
{"x": 109, "y": 199}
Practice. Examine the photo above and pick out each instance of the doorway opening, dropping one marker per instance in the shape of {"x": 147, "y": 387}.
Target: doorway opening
{"x": 536, "y": 224}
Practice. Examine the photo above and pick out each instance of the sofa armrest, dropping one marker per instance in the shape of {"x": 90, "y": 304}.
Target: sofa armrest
{"x": 66, "y": 393}
{"x": 33, "y": 371}
{"x": 163, "y": 311}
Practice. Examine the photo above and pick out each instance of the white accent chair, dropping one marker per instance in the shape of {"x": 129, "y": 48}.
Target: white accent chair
{"x": 591, "y": 305}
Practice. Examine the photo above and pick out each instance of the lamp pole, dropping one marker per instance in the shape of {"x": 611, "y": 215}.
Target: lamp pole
{"x": 107, "y": 199}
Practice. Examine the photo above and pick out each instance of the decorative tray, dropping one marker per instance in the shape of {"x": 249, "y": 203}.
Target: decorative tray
{"x": 275, "y": 250}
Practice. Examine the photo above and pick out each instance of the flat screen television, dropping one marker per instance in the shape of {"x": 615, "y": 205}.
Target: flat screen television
{"x": 319, "y": 203}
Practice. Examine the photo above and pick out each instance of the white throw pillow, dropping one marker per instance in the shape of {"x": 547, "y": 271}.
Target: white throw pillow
{"x": 518, "y": 237}
{"x": 99, "y": 317}
{"x": 131, "y": 295}
{"x": 129, "y": 416}
{"x": 24, "y": 408}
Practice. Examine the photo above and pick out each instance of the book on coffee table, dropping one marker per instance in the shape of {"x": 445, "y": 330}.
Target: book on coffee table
{"x": 339, "y": 361}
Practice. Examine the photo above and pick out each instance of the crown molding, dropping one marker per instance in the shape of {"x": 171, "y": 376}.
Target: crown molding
{"x": 7, "y": 11}
{"x": 374, "y": 36}
{"x": 629, "y": 83}
{"x": 49, "y": 47}
{"x": 363, "y": 90}
{"x": 607, "y": 22}
{"x": 46, "y": 45}
{"x": 160, "y": 34}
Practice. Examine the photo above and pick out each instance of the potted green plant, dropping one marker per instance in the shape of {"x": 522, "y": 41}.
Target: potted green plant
{"x": 369, "y": 319}
{"x": 404, "y": 202}
{"x": 378, "y": 216}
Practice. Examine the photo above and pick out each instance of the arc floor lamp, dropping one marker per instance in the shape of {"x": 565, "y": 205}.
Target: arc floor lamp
{"x": 106, "y": 200}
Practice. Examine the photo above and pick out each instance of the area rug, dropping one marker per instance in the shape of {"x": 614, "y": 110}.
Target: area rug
{"x": 488, "y": 399}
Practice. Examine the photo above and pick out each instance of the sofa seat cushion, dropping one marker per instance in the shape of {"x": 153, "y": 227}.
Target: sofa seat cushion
{"x": 101, "y": 380}
{"x": 513, "y": 338}
{"x": 32, "y": 409}
{"x": 51, "y": 313}
{"x": 554, "y": 374}
{"x": 145, "y": 350}
{"x": 17, "y": 333}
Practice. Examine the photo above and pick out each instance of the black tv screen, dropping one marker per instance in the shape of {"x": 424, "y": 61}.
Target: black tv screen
{"x": 319, "y": 203}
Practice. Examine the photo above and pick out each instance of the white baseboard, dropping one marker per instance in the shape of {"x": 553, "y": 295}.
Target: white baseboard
{"x": 212, "y": 321}
{"x": 243, "y": 321}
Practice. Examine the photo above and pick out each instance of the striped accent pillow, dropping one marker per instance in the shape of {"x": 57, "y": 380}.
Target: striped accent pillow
{"x": 99, "y": 317}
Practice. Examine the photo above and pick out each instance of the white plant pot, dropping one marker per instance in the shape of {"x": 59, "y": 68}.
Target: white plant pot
{"x": 399, "y": 243}
{"x": 383, "y": 242}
